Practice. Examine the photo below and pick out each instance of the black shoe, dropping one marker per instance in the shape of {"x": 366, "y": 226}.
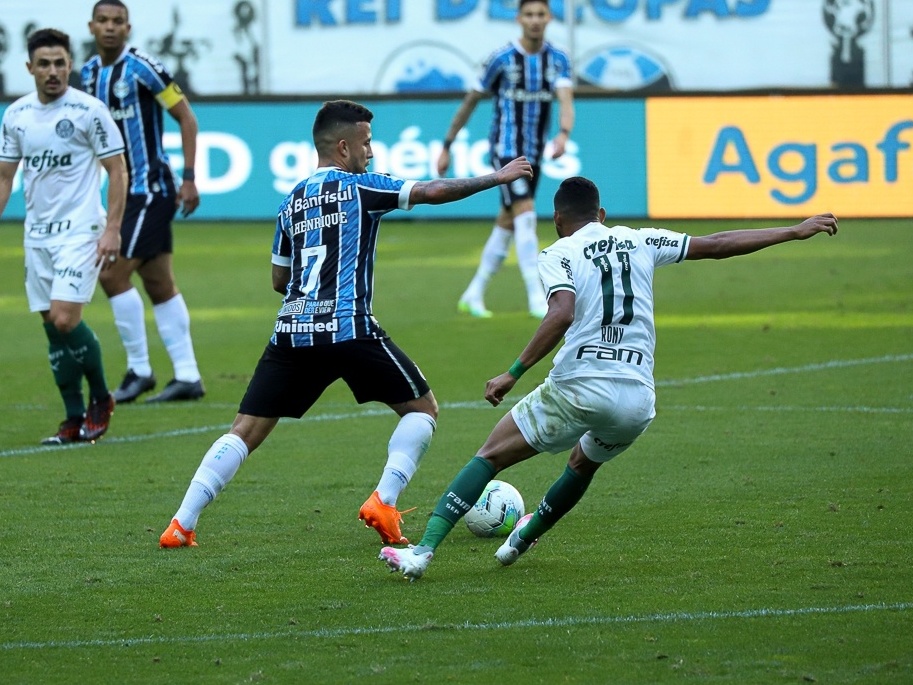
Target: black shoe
{"x": 133, "y": 386}
{"x": 179, "y": 390}
{"x": 98, "y": 418}
{"x": 66, "y": 433}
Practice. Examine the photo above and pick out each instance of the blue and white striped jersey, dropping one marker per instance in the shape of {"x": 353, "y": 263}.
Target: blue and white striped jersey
{"x": 136, "y": 88}
{"x": 523, "y": 86}
{"x": 326, "y": 233}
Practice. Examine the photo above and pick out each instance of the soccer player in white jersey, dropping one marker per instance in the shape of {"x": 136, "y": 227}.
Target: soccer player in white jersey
{"x": 524, "y": 77}
{"x": 63, "y": 138}
{"x": 323, "y": 257}
{"x": 599, "y": 396}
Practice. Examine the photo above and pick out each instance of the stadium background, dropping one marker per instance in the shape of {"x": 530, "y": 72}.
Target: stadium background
{"x": 685, "y": 108}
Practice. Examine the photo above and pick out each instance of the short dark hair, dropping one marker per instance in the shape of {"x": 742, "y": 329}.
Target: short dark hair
{"x": 334, "y": 115}
{"x": 526, "y": 2}
{"x": 47, "y": 38}
{"x": 113, "y": 3}
{"x": 578, "y": 198}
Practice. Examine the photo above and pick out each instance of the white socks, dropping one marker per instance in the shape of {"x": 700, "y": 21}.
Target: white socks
{"x": 173, "y": 321}
{"x": 528, "y": 257}
{"x": 409, "y": 442}
{"x": 129, "y": 318}
{"x": 219, "y": 466}
{"x": 493, "y": 255}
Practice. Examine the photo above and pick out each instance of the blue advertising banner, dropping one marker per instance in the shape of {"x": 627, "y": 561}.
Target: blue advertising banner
{"x": 250, "y": 155}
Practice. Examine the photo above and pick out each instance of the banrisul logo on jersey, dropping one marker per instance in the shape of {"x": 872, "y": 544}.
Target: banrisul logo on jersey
{"x": 780, "y": 157}
{"x": 48, "y": 159}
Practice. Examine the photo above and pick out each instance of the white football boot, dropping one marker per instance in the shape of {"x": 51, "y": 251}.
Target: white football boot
{"x": 514, "y": 546}
{"x": 408, "y": 561}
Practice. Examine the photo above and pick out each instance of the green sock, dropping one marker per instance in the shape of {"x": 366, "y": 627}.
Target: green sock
{"x": 560, "y": 499}
{"x": 67, "y": 372}
{"x": 459, "y": 497}
{"x": 84, "y": 346}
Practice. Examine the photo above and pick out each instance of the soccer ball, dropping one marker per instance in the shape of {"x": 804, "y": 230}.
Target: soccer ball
{"x": 497, "y": 511}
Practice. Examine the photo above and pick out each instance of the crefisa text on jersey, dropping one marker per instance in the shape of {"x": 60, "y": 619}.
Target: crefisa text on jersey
{"x": 48, "y": 160}
{"x": 601, "y": 247}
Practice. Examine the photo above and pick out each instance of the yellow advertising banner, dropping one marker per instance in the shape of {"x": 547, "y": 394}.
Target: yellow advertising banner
{"x": 780, "y": 156}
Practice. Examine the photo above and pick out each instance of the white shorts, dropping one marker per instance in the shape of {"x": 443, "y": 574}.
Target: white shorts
{"x": 605, "y": 415}
{"x": 66, "y": 273}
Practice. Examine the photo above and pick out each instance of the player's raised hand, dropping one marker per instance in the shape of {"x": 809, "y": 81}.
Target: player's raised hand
{"x": 820, "y": 223}
{"x": 514, "y": 169}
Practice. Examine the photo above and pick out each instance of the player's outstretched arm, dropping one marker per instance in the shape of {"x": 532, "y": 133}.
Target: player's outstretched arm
{"x": 442, "y": 190}
{"x": 748, "y": 240}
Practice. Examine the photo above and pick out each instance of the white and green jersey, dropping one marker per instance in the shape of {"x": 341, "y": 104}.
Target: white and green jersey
{"x": 610, "y": 270}
{"x": 60, "y": 144}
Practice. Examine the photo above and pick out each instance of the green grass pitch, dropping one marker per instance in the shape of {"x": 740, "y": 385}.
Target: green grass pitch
{"x": 759, "y": 532}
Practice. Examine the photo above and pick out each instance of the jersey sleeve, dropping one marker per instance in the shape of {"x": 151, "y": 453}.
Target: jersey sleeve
{"x": 104, "y": 136}
{"x": 563, "y": 68}
{"x": 156, "y": 77}
{"x": 10, "y": 151}
{"x": 668, "y": 247}
{"x": 488, "y": 76}
{"x": 555, "y": 271}
{"x": 382, "y": 193}
{"x": 282, "y": 246}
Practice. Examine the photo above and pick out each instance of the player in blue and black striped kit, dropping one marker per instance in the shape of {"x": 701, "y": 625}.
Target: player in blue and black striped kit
{"x": 323, "y": 262}
{"x": 137, "y": 87}
{"x": 525, "y": 77}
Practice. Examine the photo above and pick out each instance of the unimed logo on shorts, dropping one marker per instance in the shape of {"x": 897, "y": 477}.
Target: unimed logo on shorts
{"x": 780, "y": 156}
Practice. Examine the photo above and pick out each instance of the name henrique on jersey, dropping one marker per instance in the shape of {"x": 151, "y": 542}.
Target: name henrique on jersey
{"x": 136, "y": 88}
{"x": 60, "y": 145}
{"x": 610, "y": 270}
{"x": 523, "y": 86}
{"x": 326, "y": 233}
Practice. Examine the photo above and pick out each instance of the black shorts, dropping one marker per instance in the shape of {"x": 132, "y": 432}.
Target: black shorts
{"x": 146, "y": 229}
{"x": 288, "y": 380}
{"x": 521, "y": 189}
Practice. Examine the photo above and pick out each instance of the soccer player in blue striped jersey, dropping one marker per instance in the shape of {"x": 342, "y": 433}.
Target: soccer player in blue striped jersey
{"x": 525, "y": 77}
{"x": 137, "y": 88}
{"x": 323, "y": 263}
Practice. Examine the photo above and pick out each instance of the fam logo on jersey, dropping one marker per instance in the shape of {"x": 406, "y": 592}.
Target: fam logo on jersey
{"x": 65, "y": 129}
{"x": 121, "y": 89}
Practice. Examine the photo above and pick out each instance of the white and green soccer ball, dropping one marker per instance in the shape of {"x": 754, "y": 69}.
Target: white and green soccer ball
{"x": 497, "y": 511}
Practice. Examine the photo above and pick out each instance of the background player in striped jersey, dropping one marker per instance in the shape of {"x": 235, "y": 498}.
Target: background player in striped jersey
{"x": 137, "y": 87}
{"x": 524, "y": 77}
{"x": 323, "y": 262}
{"x": 64, "y": 137}
{"x": 599, "y": 395}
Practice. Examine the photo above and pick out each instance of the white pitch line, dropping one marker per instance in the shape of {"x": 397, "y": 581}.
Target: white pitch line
{"x": 570, "y": 621}
{"x": 481, "y": 404}
{"x": 786, "y": 408}
{"x": 834, "y": 364}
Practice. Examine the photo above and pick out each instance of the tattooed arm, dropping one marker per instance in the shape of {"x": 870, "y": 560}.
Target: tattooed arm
{"x": 442, "y": 190}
